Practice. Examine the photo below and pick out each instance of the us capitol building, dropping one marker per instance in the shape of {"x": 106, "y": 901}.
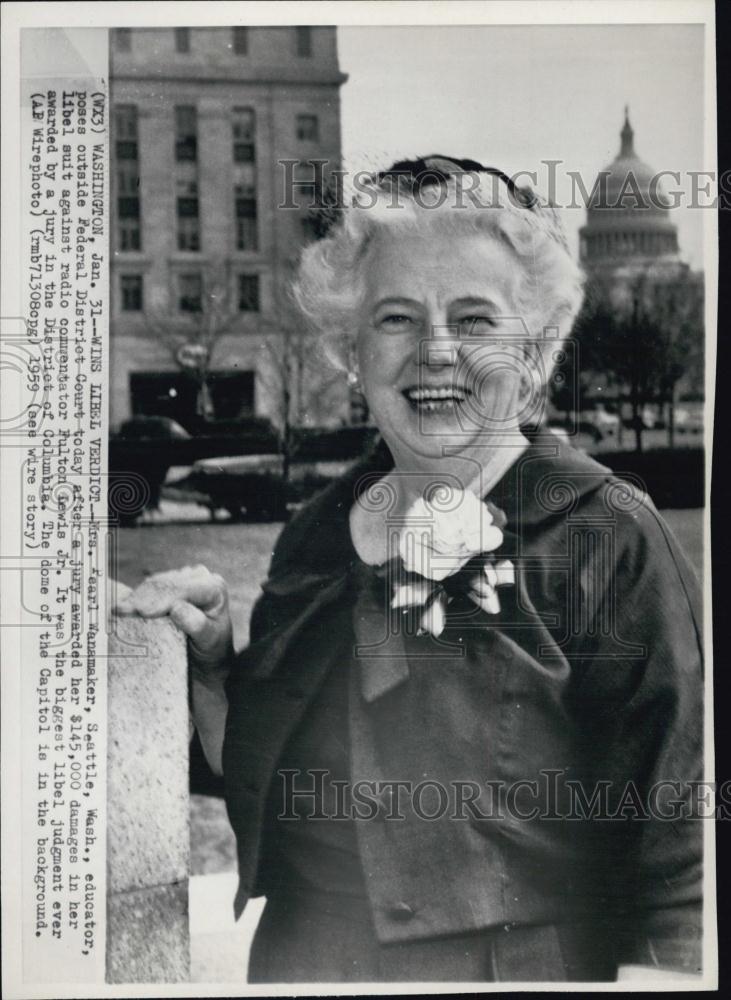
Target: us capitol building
{"x": 629, "y": 245}
{"x": 628, "y": 216}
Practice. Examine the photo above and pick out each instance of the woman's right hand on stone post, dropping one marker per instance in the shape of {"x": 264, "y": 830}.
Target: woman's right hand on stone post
{"x": 197, "y": 601}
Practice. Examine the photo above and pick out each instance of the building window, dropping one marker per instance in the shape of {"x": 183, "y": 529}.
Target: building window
{"x": 190, "y": 293}
{"x": 188, "y": 220}
{"x": 182, "y": 39}
{"x": 248, "y": 293}
{"x": 186, "y": 133}
{"x": 126, "y": 153}
{"x": 129, "y": 208}
{"x": 241, "y": 41}
{"x": 125, "y": 127}
{"x": 304, "y": 41}
{"x": 122, "y": 40}
{"x": 128, "y": 231}
{"x": 243, "y": 129}
{"x": 308, "y": 128}
{"x": 126, "y": 149}
{"x": 246, "y": 234}
{"x": 128, "y": 178}
{"x": 131, "y": 286}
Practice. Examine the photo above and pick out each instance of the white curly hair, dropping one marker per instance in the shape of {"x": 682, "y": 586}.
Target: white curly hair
{"x": 330, "y": 287}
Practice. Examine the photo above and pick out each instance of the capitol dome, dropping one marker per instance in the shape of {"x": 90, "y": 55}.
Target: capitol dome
{"x": 627, "y": 217}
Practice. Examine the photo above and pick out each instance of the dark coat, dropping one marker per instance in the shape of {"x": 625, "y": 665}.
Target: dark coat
{"x": 588, "y": 682}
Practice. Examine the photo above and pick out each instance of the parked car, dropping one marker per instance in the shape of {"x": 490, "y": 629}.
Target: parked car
{"x": 145, "y": 448}
{"x": 650, "y": 418}
{"x": 139, "y": 459}
{"x": 234, "y": 464}
{"x": 689, "y": 417}
{"x": 332, "y": 443}
{"x": 598, "y": 421}
{"x": 258, "y": 431}
{"x": 157, "y": 428}
{"x": 252, "y": 487}
{"x": 248, "y": 485}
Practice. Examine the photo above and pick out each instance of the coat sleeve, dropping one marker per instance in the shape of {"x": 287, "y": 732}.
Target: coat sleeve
{"x": 640, "y": 705}
{"x": 293, "y": 572}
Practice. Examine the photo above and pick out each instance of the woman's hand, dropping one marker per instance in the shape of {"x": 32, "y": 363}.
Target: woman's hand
{"x": 197, "y": 601}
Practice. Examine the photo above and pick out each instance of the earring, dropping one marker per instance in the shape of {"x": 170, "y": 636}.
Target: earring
{"x": 353, "y": 379}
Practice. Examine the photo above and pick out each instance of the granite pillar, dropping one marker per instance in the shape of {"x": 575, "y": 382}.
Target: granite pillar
{"x": 148, "y": 841}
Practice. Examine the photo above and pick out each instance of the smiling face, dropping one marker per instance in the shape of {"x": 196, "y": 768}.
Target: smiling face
{"x": 435, "y": 365}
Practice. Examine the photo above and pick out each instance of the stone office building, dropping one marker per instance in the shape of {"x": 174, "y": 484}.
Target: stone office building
{"x": 203, "y": 119}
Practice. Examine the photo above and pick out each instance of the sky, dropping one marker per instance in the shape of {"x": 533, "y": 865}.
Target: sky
{"x": 514, "y": 96}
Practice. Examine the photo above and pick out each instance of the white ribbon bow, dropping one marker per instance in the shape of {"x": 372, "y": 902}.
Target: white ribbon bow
{"x": 481, "y": 588}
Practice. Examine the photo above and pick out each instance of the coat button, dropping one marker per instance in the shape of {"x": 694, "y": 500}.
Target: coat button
{"x": 401, "y": 911}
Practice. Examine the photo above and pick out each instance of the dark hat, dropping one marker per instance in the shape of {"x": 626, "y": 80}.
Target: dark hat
{"x": 435, "y": 169}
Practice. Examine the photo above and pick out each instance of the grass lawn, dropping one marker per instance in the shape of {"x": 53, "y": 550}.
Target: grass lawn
{"x": 239, "y": 552}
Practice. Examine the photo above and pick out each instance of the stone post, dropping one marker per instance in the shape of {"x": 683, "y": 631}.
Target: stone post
{"x": 148, "y": 842}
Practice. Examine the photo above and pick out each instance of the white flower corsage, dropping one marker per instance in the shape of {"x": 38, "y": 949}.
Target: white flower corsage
{"x": 447, "y": 551}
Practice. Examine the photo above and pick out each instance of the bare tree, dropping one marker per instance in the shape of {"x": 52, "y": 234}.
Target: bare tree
{"x": 638, "y": 355}
{"x": 678, "y": 310}
{"x": 294, "y": 376}
{"x": 192, "y": 334}
{"x": 643, "y": 332}
{"x": 593, "y": 358}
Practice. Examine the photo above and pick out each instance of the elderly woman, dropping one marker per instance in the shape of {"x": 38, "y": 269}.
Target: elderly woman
{"x": 461, "y": 742}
